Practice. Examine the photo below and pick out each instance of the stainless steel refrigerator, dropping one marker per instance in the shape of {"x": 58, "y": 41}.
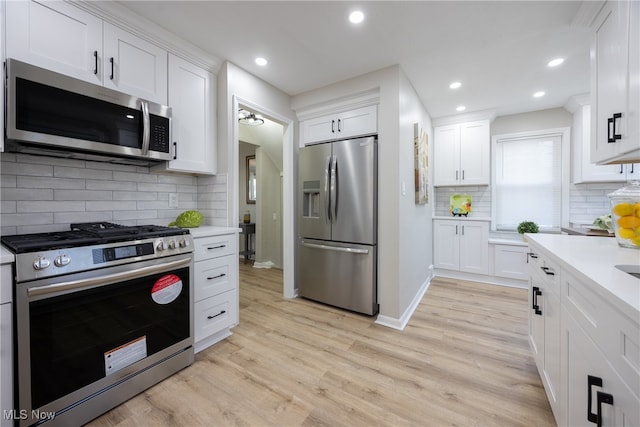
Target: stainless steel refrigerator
{"x": 337, "y": 224}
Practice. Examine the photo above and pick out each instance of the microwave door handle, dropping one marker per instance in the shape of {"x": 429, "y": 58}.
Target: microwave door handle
{"x": 146, "y": 127}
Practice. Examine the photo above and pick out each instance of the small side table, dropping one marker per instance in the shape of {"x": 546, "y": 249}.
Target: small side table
{"x": 248, "y": 230}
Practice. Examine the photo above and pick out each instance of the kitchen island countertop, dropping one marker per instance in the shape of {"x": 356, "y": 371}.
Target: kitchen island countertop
{"x": 593, "y": 259}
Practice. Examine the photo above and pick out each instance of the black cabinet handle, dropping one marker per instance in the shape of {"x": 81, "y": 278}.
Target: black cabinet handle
{"x": 592, "y": 381}
{"x": 603, "y": 398}
{"x": 111, "y": 61}
{"x": 548, "y": 271}
{"x": 456, "y": 175}
{"x": 535, "y": 293}
{"x": 216, "y": 247}
{"x": 616, "y": 136}
{"x": 95, "y": 57}
{"x": 339, "y": 130}
{"x": 216, "y": 315}
{"x": 463, "y": 174}
{"x": 216, "y": 277}
{"x": 531, "y": 255}
{"x": 632, "y": 165}
{"x": 175, "y": 150}
{"x": 333, "y": 122}
{"x": 621, "y": 169}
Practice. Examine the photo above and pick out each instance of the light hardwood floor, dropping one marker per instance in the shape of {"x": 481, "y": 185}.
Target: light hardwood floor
{"x": 463, "y": 360}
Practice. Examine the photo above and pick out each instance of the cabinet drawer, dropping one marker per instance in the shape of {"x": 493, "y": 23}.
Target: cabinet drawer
{"x": 617, "y": 336}
{"x": 214, "y": 246}
{"x": 547, "y": 270}
{"x": 214, "y": 276}
{"x": 214, "y": 314}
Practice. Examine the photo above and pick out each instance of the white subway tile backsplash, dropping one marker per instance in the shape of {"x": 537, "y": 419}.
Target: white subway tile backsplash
{"x": 41, "y": 194}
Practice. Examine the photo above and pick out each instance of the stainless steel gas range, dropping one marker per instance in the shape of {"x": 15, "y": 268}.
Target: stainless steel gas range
{"x": 102, "y": 312}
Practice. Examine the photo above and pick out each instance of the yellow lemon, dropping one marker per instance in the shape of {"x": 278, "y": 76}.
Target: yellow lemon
{"x": 626, "y": 233}
{"x": 623, "y": 209}
{"x": 636, "y": 209}
{"x": 629, "y": 221}
{"x": 636, "y": 240}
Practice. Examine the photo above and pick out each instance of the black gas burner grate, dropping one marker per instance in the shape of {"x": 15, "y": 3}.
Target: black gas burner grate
{"x": 85, "y": 234}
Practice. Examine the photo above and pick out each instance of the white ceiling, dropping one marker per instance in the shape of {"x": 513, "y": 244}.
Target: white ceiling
{"x": 498, "y": 50}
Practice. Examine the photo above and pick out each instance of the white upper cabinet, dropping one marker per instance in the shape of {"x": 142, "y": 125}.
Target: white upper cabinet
{"x": 60, "y": 37}
{"x": 191, "y": 96}
{"x": 615, "y": 85}
{"x": 134, "y": 66}
{"x": 57, "y": 36}
{"x": 346, "y": 124}
{"x": 462, "y": 154}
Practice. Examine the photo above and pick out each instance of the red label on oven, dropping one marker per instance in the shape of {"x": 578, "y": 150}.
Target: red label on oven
{"x": 166, "y": 289}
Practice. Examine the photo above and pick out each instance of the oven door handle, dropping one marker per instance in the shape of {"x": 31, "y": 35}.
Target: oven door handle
{"x": 85, "y": 283}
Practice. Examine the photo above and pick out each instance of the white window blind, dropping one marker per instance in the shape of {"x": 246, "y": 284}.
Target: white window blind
{"x": 528, "y": 182}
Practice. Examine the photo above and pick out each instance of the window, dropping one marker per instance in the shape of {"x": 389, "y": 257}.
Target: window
{"x": 527, "y": 184}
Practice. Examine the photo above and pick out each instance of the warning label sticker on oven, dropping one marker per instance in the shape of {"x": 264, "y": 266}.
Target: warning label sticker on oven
{"x": 125, "y": 355}
{"x": 166, "y": 289}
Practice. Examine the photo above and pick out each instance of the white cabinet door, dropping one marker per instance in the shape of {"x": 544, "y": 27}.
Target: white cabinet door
{"x": 6, "y": 361}
{"x": 474, "y": 247}
{"x": 191, "y": 96}
{"x": 510, "y": 261}
{"x": 134, "y": 66}
{"x": 57, "y": 36}
{"x": 474, "y": 153}
{"x": 446, "y": 252}
{"x": 588, "y": 374}
{"x": 446, "y": 155}
{"x": 358, "y": 122}
{"x": 347, "y": 124}
{"x": 614, "y": 77}
{"x": 536, "y": 320}
{"x": 318, "y": 129}
{"x": 462, "y": 154}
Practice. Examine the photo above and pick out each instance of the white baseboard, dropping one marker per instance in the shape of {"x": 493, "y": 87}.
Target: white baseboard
{"x": 492, "y": 280}
{"x": 401, "y": 322}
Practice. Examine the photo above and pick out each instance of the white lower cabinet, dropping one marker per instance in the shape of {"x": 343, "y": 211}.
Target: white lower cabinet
{"x": 510, "y": 261}
{"x": 461, "y": 245}
{"x": 216, "y": 307}
{"x": 544, "y": 324}
{"x": 586, "y": 349}
{"x": 6, "y": 344}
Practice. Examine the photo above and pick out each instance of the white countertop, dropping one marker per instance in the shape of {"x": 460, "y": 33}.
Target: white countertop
{"x": 211, "y": 230}
{"x": 463, "y": 218}
{"x": 593, "y": 259}
{"x": 6, "y": 256}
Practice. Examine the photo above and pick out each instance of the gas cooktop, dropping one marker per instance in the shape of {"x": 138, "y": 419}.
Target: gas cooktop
{"x": 86, "y": 234}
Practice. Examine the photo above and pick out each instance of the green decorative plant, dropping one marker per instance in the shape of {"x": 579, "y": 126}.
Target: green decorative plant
{"x": 528, "y": 227}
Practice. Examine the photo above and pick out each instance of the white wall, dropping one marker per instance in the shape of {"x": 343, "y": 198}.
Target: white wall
{"x": 403, "y": 228}
{"x": 236, "y": 86}
{"x": 553, "y": 118}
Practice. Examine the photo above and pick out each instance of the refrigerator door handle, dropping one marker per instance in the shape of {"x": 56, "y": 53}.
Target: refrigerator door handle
{"x": 334, "y": 189}
{"x": 327, "y": 198}
{"x": 335, "y": 248}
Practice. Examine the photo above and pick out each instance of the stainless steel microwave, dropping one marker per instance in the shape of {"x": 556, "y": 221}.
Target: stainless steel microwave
{"x": 53, "y": 114}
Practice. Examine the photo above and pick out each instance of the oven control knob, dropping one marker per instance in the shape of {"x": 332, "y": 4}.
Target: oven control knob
{"x": 41, "y": 263}
{"x": 183, "y": 243}
{"x": 62, "y": 260}
{"x": 172, "y": 244}
{"x": 161, "y": 245}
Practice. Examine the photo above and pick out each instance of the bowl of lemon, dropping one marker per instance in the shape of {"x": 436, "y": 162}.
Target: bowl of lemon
{"x": 625, "y": 215}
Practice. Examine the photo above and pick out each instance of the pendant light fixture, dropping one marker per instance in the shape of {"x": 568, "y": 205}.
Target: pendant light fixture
{"x": 248, "y": 118}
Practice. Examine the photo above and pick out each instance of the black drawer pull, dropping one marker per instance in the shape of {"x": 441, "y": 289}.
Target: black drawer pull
{"x": 112, "y": 74}
{"x": 535, "y": 293}
{"x": 531, "y": 255}
{"x": 95, "y": 57}
{"x": 216, "y": 315}
{"x": 217, "y": 277}
{"x": 210, "y": 248}
{"x": 548, "y": 271}
{"x": 592, "y": 381}
{"x": 603, "y": 398}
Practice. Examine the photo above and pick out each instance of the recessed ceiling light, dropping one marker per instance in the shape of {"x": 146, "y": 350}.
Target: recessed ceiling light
{"x": 461, "y": 108}
{"x": 455, "y": 85}
{"x": 356, "y": 17}
{"x": 555, "y": 62}
{"x": 539, "y": 94}
{"x": 261, "y": 61}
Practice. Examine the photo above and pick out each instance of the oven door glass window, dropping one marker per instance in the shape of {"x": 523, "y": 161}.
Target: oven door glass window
{"x": 81, "y": 337}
